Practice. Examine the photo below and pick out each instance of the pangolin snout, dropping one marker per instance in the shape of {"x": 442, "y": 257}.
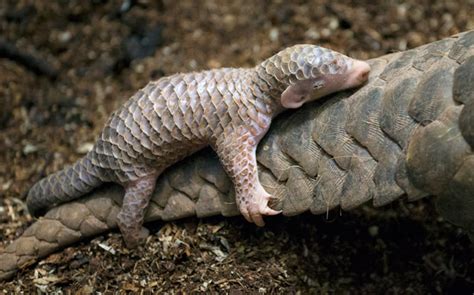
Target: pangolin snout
{"x": 360, "y": 72}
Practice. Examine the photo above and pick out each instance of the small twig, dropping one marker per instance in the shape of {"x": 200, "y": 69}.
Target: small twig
{"x": 33, "y": 63}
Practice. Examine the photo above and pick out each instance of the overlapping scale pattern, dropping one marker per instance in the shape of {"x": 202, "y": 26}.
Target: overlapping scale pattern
{"x": 314, "y": 159}
{"x": 161, "y": 124}
{"x": 304, "y": 61}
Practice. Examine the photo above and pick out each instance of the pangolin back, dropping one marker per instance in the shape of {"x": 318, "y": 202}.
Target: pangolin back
{"x": 162, "y": 123}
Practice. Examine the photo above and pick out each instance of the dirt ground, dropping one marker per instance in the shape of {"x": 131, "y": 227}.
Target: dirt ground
{"x": 99, "y": 52}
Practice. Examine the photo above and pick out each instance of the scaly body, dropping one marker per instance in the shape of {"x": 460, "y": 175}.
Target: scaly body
{"x": 228, "y": 109}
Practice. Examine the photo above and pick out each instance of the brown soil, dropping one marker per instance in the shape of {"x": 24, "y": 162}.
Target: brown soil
{"x": 103, "y": 51}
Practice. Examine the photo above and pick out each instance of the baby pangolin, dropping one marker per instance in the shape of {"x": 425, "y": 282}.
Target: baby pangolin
{"x": 229, "y": 109}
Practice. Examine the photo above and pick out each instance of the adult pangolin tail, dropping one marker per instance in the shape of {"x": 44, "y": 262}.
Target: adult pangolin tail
{"x": 63, "y": 186}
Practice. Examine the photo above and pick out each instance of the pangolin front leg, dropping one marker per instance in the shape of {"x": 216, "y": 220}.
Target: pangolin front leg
{"x": 236, "y": 150}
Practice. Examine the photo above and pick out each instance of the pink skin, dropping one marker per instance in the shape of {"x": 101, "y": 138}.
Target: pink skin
{"x": 258, "y": 206}
{"x": 294, "y": 97}
{"x": 356, "y": 76}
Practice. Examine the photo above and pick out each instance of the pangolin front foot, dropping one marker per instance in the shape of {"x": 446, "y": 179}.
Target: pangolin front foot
{"x": 254, "y": 206}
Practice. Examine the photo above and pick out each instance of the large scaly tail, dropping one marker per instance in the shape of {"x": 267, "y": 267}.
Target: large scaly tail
{"x": 63, "y": 186}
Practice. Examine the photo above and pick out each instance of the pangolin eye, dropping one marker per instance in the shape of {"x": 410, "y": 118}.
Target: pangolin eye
{"x": 318, "y": 84}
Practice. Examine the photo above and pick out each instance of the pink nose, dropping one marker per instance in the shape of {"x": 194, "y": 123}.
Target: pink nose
{"x": 361, "y": 72}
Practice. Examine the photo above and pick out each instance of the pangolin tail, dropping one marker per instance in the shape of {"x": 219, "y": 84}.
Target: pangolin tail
{"x": 63, "y": 186}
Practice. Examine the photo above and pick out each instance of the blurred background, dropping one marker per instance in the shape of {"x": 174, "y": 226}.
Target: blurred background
{"x": 66, "y": 65}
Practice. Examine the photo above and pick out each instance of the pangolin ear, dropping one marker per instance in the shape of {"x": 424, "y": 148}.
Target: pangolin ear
{"x": 294, "y": 96}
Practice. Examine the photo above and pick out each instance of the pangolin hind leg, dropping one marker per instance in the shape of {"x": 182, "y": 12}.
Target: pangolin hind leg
{"x": 236, "y": 150}
{"x": 131, "y": 215}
